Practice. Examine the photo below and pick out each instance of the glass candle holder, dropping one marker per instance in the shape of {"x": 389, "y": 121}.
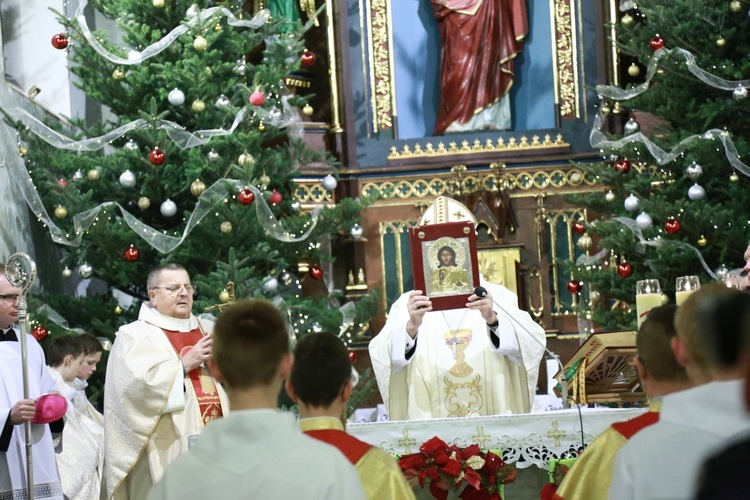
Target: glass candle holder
{"x": 684, "y": 286}
{"x": 647, "y": 296}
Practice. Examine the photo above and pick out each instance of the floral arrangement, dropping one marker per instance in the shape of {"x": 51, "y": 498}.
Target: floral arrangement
{"x": 448, "y": 467}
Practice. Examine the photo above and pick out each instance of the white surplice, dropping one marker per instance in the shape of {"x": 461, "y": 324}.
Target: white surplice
{"x": 13, "y": 461}
{"x": 259, "y": 454}
{"x": 455, "y": 369}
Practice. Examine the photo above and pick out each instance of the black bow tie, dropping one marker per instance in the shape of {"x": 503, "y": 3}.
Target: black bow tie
{"x": 9, "y": 336}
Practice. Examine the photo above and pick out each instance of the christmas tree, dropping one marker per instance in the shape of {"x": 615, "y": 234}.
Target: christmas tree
{"x": 675, "y": 201}
{"x": 194, "y": 163}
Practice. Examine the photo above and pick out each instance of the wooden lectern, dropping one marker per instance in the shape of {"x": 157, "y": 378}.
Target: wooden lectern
{"x": 602, "y": 370}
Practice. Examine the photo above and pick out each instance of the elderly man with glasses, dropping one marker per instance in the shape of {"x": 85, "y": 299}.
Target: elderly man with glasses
{"x": 158, "y": 392}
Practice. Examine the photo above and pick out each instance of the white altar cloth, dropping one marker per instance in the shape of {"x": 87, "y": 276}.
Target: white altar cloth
{"x": 527, "y": 439}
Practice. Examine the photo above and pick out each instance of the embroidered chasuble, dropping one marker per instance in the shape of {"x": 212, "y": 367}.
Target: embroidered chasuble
{"x": 455, "y": 371}
{"x": 151, "y": 408}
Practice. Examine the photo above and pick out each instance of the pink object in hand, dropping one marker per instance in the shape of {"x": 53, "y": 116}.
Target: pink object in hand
{"x": 49, "y": 407}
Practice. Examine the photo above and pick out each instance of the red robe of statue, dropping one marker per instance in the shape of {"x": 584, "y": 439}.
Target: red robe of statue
{"x": 480, "y": 39}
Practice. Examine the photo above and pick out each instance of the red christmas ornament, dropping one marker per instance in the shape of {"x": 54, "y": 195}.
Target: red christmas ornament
{"x": 656, "y": 43}
{"x": 246, "y": 197}
{"x": 672, "y": 226}
{"x": 275, "y": 197}
{"x": 257, "y": 98}
{"x": 574, "y": 286}
{"x": 63, "y": 183}
{"x": 60, "y": 41}
{"x": 622, "y": 166}
{"x": 307, "y": 59}
{"x": 131, "y": 254}
{"x": 39, "y": 333}
{"x": 624, "y": 269}
{"x": 352, "y": 356}
{"x": 579, "y": 227}
{"x": 157, "y": 156}
{"x": 316, "y": 272}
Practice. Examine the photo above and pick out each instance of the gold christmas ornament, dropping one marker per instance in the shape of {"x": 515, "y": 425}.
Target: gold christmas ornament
{"x": 245, "y": 159}
{"x": 734, "y": 178}
{"x": 265, "y": 180}
{"x": 144, "y": 203}
{"x": 22, "y": 151}
{"x": 200, "y": 43}
{"x": 159, "y": 4}
{"x": 634, "y": 70}
{"x": 605, "y": 109}
{"x": 307, "y": 110}
{"x": 721, "y": 42}
{"x": 702, "y": 241}
{"x": 594, "y": 298}
{"x": 118, "y": 74}
{"x": 584, "y": 242}
{"x": 93, "y": 174}
{"x": 226, "y": 227}
{"x": 261, "y": 127}
{"x": 118, "y": 309}
{"x": 61, "y": 212}
{"x": 197, "y": 188}
{"x": 198, "y": 105}
{"x": 735, "y": 6}
{"x": 224, "y": 296}
{"x": 627, "y": 20}
{"x": 218, "y": 27}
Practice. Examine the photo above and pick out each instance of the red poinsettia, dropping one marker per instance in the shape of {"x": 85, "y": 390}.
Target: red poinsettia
{"x": 447, "y": 467}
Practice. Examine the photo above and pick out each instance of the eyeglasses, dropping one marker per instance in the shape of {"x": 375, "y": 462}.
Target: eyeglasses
{"x": 10, "y": 298}
{"x": 175, "y": 289}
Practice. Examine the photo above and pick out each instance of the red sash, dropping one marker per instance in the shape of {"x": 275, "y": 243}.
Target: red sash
{"x": 351, "y": 447}
{"x": 204, "y": 386}
{"x": 630, "y": 427}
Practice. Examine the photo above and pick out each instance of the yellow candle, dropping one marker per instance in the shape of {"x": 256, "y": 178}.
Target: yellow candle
{"x": 644, "y": 303}
{"x": 679, "y": 297}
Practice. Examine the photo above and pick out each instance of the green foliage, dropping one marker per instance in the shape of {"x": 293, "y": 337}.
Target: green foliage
{"x": 684, "y": 106}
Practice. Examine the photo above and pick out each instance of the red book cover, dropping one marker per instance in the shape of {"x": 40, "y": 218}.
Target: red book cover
{"x": 444, "y": 263}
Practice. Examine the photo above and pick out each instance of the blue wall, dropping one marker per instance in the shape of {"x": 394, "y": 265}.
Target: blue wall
{"x": 417, "y": 66}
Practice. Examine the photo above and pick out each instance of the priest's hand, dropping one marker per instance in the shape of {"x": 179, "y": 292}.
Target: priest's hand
{"x": 484, "y": 306}
{"x": 196, "y": 356}
{"x": 418, "y": 305}
{"x": 22, "y": 411}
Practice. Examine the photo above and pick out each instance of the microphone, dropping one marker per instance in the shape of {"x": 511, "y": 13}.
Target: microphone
{"x": 481, "y": 291}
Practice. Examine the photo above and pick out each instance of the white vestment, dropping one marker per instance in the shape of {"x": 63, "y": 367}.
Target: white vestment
{"x": 455, "y": 369}
{"x": 259, "y": 454}
{"x": 13, "y": 461}
{"x": 150, "y": 405}
{"x": 81, "y": 458}
{"x": 663, "y": 461}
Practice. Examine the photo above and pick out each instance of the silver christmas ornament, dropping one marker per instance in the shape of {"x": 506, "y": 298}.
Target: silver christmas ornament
{"x": 286, "y": 278}
{"x": 295, "y": 206}
{"x": 694, "y": 171}
{"x": 644, "y": 221}
{"x": 223, "y": 102}
{"x": 610, "y": 196}
{"x": 696, "y": 192}
{"x": 168, "y": 208}
{"x": 317, "y": 327}
{"x": 722, "y": 273}
{"x": 131, "y": 145}
{"x": 127, "y": 179}
{"x": 67, "y": 273}
{"x": 632, "y": 126}
{"x": 631, "y": 203}
{"x": 77, "y": 176}
{"x": 740, "y": 93}
{"x": 356, "y": 232}
{"x": 239, "y": 68}
{"x": 270, "y": 285}
{"x": 192, "y": 11}
{"x": 213, "y": 156}
{"x": 176, "y": 97}
{"x": 330, "y": 182}
{"x": 85, "y": 270}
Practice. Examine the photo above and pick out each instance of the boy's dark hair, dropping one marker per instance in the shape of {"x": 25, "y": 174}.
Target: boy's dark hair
{"x": 321, "y": 368}
{"x": 89, "y": 344}
{"x": 60, "y": 347}
{"x": 249, "y": 341}
{"x": 654, "y": 345}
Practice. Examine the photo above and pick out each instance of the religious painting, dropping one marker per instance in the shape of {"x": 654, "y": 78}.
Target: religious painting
{"x": 444, "y": 263}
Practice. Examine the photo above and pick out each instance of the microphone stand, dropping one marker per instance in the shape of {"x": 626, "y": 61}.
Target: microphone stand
{"x": 20, "y": 271}
{"x": 480, "y": 291}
